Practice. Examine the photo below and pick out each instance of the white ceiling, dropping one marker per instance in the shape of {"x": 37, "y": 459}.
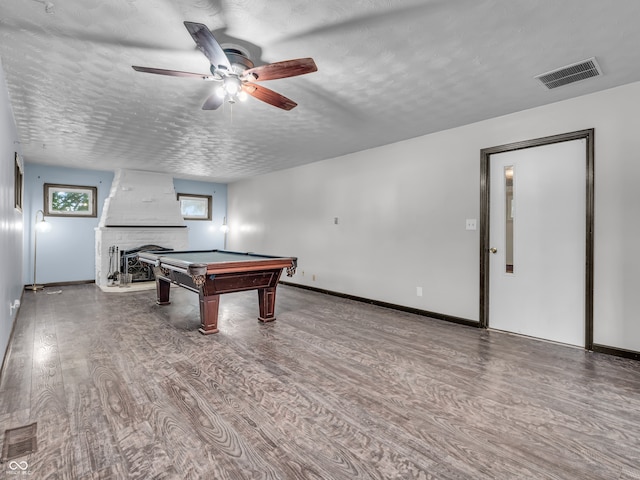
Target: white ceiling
{"x": 387, "y": 71}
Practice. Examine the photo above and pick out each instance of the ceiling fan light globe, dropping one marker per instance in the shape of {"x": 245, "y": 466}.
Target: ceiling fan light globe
{"x": 242, "y": 96}
{"x": 232, "y": 85}
{"x": 220, "y": 91}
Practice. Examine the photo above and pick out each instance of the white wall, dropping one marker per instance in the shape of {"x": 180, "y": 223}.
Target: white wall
{"x": 401, "y": 213}
{"x": 11, "y": 223}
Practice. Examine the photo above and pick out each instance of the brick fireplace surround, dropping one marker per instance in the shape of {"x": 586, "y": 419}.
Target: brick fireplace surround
{"x": 141, "y": 209}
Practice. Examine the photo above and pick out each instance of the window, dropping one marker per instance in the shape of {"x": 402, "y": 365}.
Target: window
{"x": 195, "y": 207}
{"x": 18, "y": 186}
{"x": 509, "y": 178}
{"x": 70, "y": 200}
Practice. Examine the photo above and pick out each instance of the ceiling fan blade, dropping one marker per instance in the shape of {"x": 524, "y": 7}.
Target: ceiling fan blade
{"x": 268, "y": 96}
{"x": 172, "y": 73}
{"x": 288, "y": 68}
{"x": 208, "y": 44}
{"x": 212, "y": 102}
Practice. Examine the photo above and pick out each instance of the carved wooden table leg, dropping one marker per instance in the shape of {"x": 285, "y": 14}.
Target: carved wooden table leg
{"x": 209, "y": 313}
{"x": 163, "y": 288}
{"x": 267, "y": 303}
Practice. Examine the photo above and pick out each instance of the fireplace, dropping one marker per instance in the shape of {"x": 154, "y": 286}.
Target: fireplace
{"x": 141, "y": 210}
{"x": 129, "y": 263}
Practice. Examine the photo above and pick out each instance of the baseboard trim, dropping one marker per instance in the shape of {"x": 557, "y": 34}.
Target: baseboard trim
{"x": 618, "y": 352}
{"x": 417, "y": 311}
{"x": 64, "y": 284}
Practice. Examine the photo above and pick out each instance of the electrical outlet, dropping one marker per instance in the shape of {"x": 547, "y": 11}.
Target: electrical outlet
{"x": 419, "y": 291}
{"x": 14, "y": 306}
{"x": 471, "y": 224}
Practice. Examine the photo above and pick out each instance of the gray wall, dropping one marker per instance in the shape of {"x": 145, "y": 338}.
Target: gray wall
{"x": 401, "y": 213}
{"x": 11, "y": 220}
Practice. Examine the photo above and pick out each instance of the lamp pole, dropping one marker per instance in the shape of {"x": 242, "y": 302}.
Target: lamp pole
{"x": 225, "y": 230}
{"x": 38, "y": 225}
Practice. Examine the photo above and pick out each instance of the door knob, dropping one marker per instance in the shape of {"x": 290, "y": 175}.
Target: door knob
{"x": 493, "y": 250}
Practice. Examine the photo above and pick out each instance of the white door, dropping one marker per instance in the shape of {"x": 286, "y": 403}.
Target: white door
{"x": 537, "y": 231}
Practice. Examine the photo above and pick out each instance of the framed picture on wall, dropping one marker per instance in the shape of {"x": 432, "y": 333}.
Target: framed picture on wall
{"x": 70, "y": 200}
{"x": 195, "y": 207}
{"x": 18, "y": 185}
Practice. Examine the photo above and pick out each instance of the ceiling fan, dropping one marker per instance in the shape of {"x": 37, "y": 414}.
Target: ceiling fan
{"x": 236, "y": 72}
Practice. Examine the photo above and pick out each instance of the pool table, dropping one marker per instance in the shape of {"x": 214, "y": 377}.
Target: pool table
{"x": 211, "y": 273}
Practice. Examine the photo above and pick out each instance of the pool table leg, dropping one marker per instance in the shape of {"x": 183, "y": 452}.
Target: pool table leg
{"x": 209, "y": 313}
{"x": 162, "y": 292}
{"x": 267, "y": 302}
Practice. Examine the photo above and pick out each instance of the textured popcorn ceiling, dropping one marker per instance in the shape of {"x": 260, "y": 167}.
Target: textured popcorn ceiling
{"x": 387, "y": 71}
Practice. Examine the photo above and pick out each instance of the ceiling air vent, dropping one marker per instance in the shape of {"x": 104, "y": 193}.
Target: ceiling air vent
{"x": 570, "y": 74}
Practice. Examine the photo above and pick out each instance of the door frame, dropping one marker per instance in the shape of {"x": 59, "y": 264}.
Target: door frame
{"x": 485, "y": 170}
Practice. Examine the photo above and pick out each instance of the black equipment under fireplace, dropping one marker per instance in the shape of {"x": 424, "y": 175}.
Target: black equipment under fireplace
{"x": 140, "y": 272}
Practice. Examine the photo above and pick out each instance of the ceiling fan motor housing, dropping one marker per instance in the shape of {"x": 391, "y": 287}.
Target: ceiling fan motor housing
{"x": 238, "y": 59}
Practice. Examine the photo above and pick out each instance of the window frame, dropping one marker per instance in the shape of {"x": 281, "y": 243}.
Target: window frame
{"x": 18, "y": 183}
{"x": 206, "y": 200}
{"x": 51, "y": 188}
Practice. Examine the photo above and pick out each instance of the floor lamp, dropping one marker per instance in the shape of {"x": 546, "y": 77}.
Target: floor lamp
{"x": 41, "y": 225}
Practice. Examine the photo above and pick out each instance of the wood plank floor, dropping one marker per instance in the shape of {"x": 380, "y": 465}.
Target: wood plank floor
{"x": 334, "y": 389}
